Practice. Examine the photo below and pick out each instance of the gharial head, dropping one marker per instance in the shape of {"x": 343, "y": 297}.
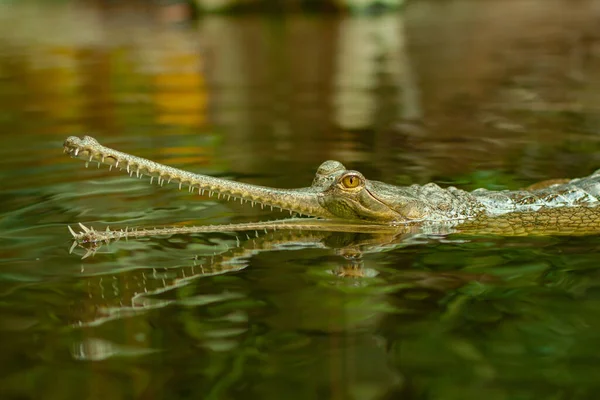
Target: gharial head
{"x": 348, "y": 194}
{"x": 335, "y": 192}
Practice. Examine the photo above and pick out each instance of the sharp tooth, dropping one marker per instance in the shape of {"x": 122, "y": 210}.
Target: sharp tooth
{"x": 137, "y": 172}
{"x": 117, "y": 164}
{"x": 98, "y": 164}
{"x": 91, "y": 157}
{"x": 87, "y": 164}
{"x": 179, "y": 185}
{"x": 169, "y": 181}
{"x": 271, "y": 208}
{"x": 228, "y": 197}
{"x": 102, "y": 158}
{"x": 110, "y": 167}
{"x": 218, "y": 196}
{"x": 76, "y": 152}
{"x": 85, "y": 229}
{"x": 252, "y": 203}
{"x": 130, "y": 173}
{"x": 241, "y": 200}
{"x": 201, "y": 192}
{"x": 190, "y": 188}
{"x": 151, "y": 179}
{"x": 291, "y": 212}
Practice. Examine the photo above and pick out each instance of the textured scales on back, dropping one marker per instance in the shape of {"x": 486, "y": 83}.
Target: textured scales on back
{"x": 580, "y": 192}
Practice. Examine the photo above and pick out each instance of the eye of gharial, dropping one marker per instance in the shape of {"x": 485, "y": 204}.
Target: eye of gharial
{"x": 351, "y": 181}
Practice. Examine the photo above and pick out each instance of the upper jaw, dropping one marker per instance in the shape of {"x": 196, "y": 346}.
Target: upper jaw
{"x": 302, "y": 201}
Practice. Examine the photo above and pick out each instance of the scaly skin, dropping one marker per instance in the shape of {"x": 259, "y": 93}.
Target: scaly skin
{"x": 566, "y": 207}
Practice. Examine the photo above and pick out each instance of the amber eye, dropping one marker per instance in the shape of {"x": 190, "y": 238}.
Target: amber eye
{"x": 351, "y": 181}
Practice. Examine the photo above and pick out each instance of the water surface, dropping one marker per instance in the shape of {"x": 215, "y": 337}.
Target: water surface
{"x": 473, "y": 94}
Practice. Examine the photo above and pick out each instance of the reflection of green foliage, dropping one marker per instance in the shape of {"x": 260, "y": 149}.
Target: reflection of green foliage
{"x": 526, "y": 332}
{"x": 506, "y": 317}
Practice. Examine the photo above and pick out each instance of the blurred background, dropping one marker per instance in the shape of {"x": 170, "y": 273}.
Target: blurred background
{"x": 415, "y": 90}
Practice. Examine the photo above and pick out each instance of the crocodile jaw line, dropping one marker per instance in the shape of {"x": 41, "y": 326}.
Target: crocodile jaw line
{"x": 302, "y": 201}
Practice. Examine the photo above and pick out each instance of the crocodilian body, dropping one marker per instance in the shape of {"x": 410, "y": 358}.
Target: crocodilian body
{"x": 345, "y": 197}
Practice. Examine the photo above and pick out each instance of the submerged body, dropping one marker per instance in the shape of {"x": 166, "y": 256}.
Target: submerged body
{"x": 340, "y": 194}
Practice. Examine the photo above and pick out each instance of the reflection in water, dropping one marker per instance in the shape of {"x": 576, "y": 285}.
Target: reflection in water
{"x": 434, "y": 92}
{"x": 90, "y": 76}
{"x": 92, "y": 349}
{"x": 344, "y": 353}
{"x": 176, "y": 68}
{"x": 140, "y": 288}
{"x": 372, "y": 52}
{"x": 409, "y": 87}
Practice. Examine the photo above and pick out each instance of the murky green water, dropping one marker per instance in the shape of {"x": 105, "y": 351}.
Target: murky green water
{"x": 466, "y": 93}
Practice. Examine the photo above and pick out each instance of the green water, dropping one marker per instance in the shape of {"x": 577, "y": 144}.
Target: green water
{"x": 465, "y": 93}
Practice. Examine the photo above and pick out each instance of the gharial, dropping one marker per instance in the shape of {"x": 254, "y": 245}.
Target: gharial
{"x": 345, "y": 200}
